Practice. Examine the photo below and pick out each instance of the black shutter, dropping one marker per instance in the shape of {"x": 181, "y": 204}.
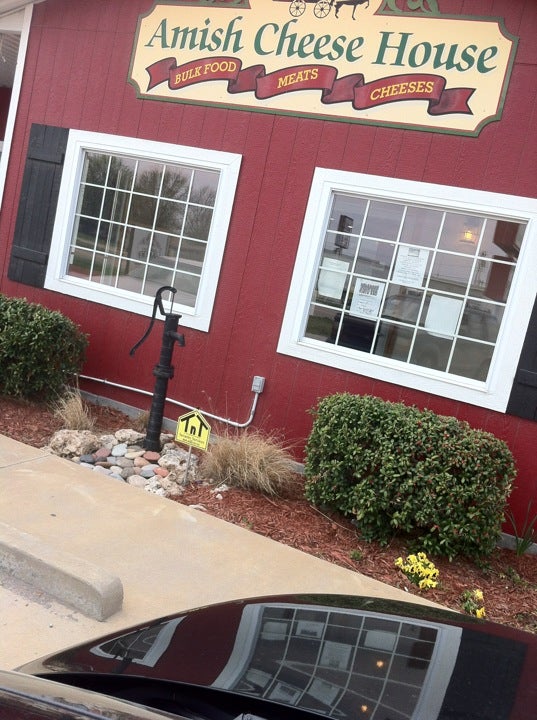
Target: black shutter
{"x": 523, "y": 400}
{"x": 37, "y": 204}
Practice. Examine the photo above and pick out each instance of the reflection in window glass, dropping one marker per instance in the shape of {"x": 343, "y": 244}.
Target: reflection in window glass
{"x": 347, "y": 206}
{"x": 338, "y": 668}
{"x": 430, "y": 351}
{"x": 414, "y": 285}
{"x": 491, "y": 280}
{"x": 501, "y": 240}
{"x": 421, "y": 226}
{"x": 394, "y": 341}
{"x": 141, "y": 224}
{"x": 383, "y": 220}
{"x": 176, "y": 185}
{"x": 450, "y": 273}
{"x": 374, "y": 258}
{"x": 402, "y": 305}
{"x": 471, "y": 359}
{"x": 460, "y": 233}
{"x": 148, "y": 177}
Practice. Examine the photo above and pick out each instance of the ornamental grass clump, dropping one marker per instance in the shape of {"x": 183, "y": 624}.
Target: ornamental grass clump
{"x": 251, "y": 460}
{"x": 72, "y": 411}
{"x": 399, "y": 470}
{"x": 473, "y": 603}
{"x": 419, "y": 570}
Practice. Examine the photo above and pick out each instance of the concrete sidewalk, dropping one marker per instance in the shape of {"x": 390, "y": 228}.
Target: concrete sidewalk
{"x": 64, "y": 524}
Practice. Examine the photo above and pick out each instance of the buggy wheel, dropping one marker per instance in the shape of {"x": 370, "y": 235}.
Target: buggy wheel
{"x": 322, "y": 8}
{"x": 297, "y": 7}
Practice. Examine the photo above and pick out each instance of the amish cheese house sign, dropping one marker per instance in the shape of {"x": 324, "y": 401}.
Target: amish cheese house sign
{"x": 352, "y": 60}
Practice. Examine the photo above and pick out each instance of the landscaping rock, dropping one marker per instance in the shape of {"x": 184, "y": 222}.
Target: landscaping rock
{"x": 161, "y": 473}
{"x": 73, "y": 442}
{"x": 131, "y": 437}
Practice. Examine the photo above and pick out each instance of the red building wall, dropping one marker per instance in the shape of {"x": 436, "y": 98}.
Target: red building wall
{"x": 76, "y": 76}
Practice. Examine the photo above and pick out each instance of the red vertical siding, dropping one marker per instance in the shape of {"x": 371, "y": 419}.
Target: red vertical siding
{"x": 76, "y": 76}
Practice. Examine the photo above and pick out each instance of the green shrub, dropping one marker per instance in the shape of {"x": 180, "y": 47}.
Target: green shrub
{"x": 40, "y": 350}
{"x": 397, "y": 469}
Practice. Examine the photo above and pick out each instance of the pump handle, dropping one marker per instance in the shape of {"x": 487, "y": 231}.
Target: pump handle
{"x": 156, "y": 304}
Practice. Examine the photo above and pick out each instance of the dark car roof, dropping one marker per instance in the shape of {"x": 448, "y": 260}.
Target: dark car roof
{"x": 23, "y": 697}
{"x": 309, "y": 655}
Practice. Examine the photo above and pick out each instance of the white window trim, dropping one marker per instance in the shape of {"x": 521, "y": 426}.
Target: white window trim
{"x": 24, "y": 18}
{"x": 56, "y": 279}
{"x": 494, "y": 394}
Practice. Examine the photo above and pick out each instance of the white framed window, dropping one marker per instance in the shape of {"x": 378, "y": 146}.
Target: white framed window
{"x": 426, "y": 286}
{"x": 15, "y": 24}
{"x": 135, "y": 215}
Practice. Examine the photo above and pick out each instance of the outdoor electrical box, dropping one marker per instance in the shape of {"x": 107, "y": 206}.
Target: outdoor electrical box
{"x": 258, "y": 383}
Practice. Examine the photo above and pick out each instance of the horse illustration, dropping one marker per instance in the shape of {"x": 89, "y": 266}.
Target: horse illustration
{"x": 338, "y": 3}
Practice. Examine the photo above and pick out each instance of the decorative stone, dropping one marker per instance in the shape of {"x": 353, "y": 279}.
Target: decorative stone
{"x": 123, "y": 462}
{"x": 102, "y": 470}
{"x": 137, "y": 481}
{"x": 174, "y": 459}
{"x": 148, "y": 471}
{"x": 152, "y": 456}
{"x": 108, "y": 441}
{"x": 164, "y": 472}
{"x": 133, "y": 454}
{"x": 129, "y": 436}
{"x": 87, "y": 459}
{"x": 154, "y": 487}
{"x": 119, "y": 450}
{"x": 220, "y": 488}
{"x": 140, "y": 462}
{"x": 170, "y": 486}
{"x": 73, "y": 442}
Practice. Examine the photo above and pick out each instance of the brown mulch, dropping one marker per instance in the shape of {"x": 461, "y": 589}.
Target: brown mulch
{"x": 508, "y": 582}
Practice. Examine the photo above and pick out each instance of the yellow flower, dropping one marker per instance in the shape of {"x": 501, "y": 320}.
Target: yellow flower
{"x": 419, "y": 570}
{"x": 427, "y": 583}
{"x": 480, "y": 612}
{"x": 478, "y": 595}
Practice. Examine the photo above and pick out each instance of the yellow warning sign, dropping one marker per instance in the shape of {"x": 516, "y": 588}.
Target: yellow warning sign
{"x": 193, "y": 430}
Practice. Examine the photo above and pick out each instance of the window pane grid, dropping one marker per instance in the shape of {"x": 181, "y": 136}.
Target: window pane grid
{"x": 436, "y": 303}
{"x": 140, "y": 224}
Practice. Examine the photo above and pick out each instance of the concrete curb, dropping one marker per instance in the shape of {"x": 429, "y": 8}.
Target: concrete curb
{"x": 71, "y": 580}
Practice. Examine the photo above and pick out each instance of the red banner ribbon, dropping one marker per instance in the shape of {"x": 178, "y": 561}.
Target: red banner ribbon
{"x": 351, "y": 88}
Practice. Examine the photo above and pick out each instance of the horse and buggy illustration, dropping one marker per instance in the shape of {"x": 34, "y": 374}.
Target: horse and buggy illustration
{"x": 322, "y": 8}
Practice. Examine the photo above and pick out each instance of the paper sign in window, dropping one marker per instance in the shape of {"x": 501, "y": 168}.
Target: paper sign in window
{"x": 332, "y": 278}
{"x": 367, "y": 298}
{"x": 410, "y": 266}
{"x": 443, "y": 316}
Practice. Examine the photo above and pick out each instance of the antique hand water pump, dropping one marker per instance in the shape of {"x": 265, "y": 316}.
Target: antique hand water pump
{"x": 163, "y": 371}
